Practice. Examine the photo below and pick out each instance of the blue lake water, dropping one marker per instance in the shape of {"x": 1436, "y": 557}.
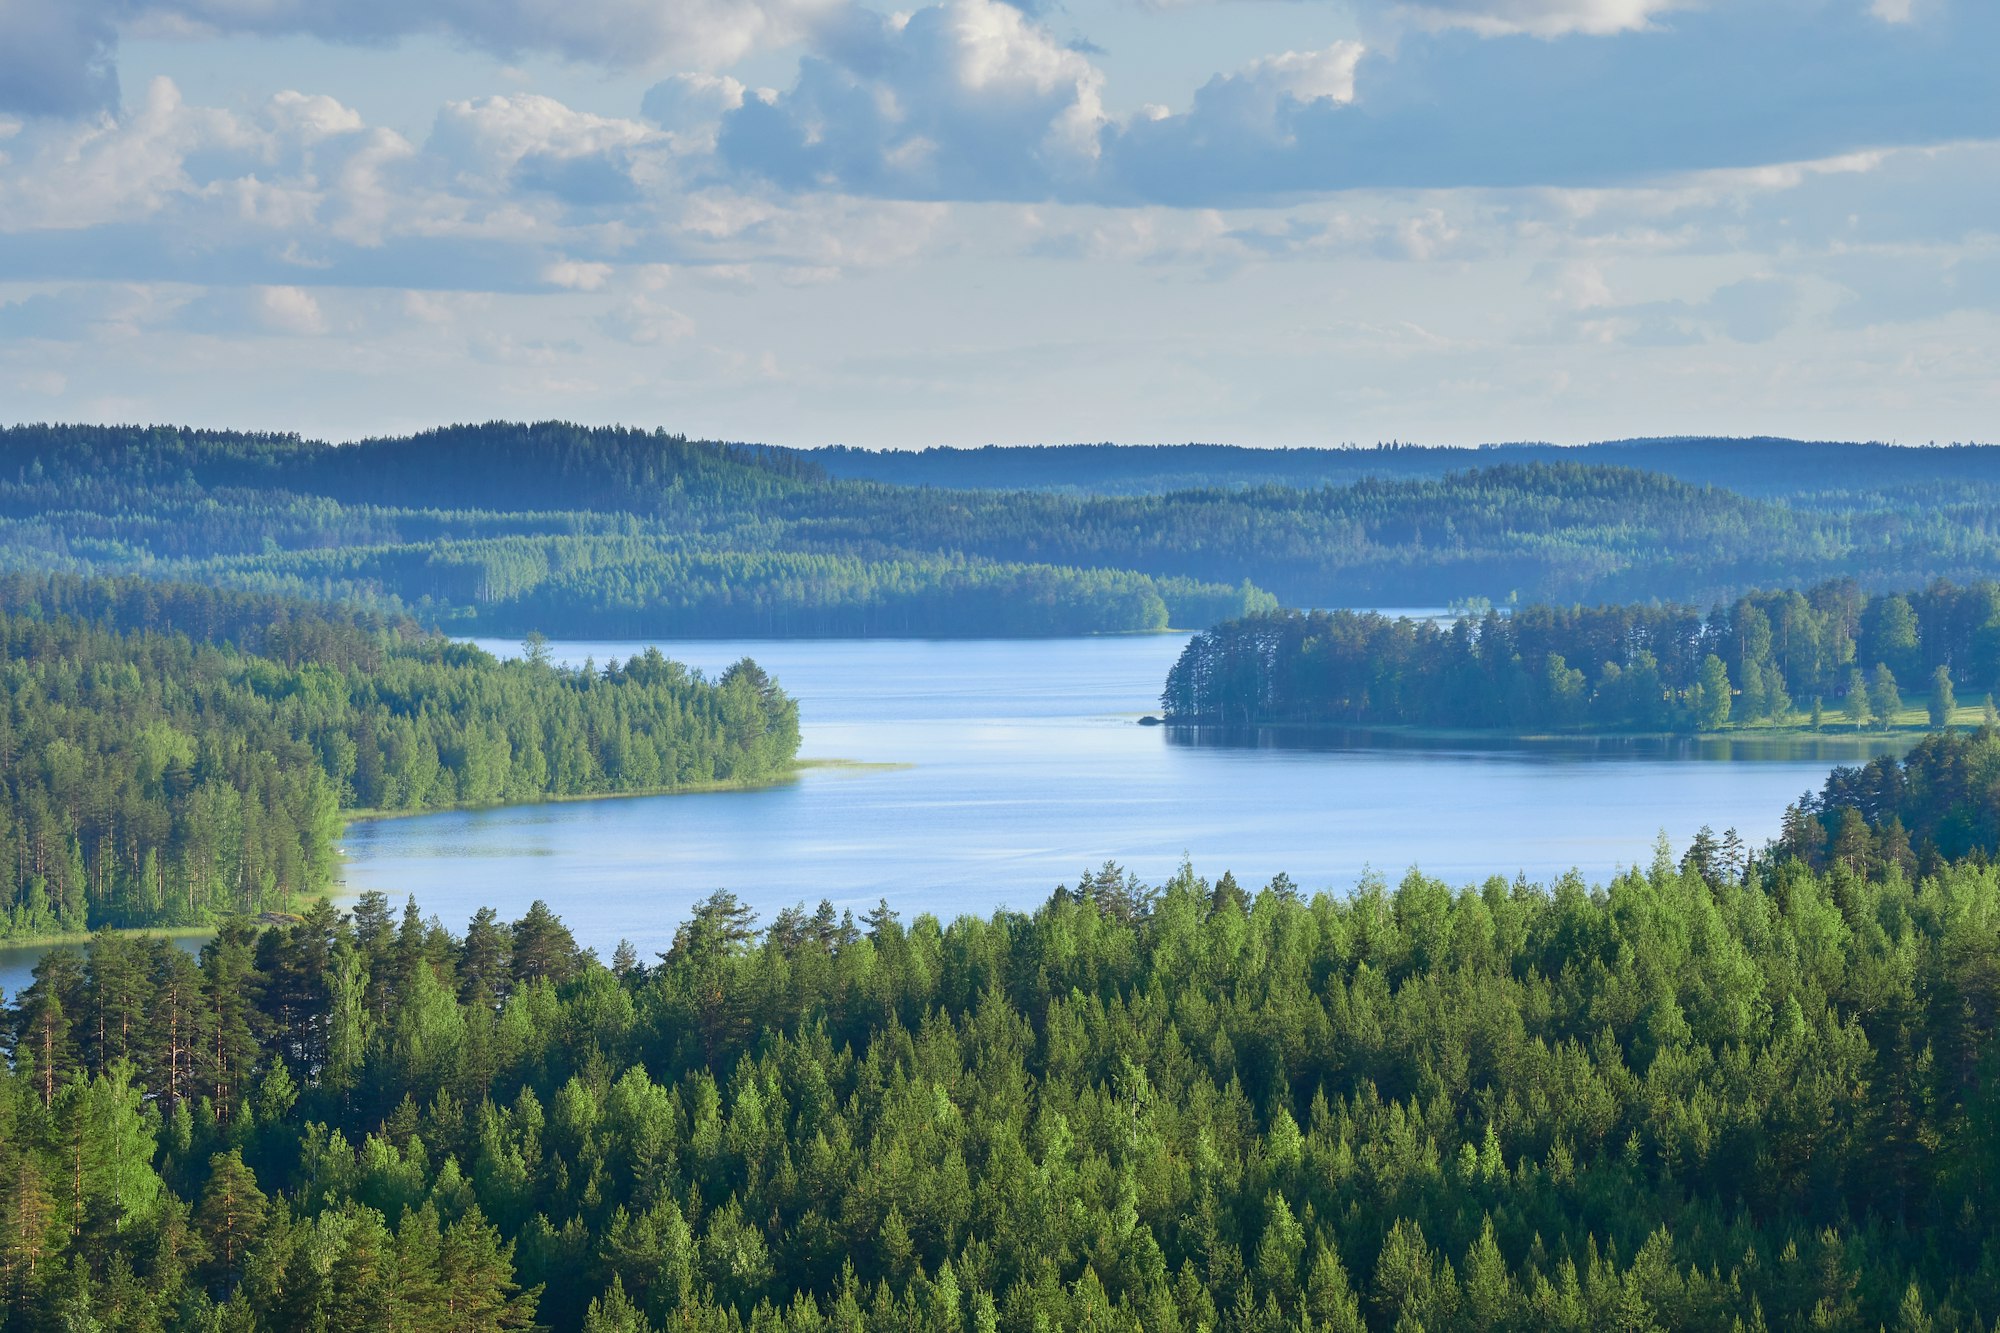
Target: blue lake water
{"x": 1018, "y": 764}
{"x": 1021, "y": 763}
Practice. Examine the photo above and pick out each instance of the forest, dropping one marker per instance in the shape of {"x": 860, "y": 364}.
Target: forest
{"x": 1937, "y": 804}
{"x": 1833, "y": 656}
{"x": 1726, "y": 1091}
{"x": 171, "y": 755}
{"x": 504, "y": 528}
{"x": 1759, "y": 466}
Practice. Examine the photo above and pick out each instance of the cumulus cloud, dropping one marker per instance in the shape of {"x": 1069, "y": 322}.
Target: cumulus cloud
{"x": 540, "y": 144}
{"x": 689, "y": 107}
{"x": 973, "y": 100}
{"x": 1258, "y": 100}
{"x": 292, "y": 310}
{"x": 963, "y": 99}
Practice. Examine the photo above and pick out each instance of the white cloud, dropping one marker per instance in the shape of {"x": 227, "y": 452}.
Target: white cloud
{"x": 1542, "y": 18}
{"x": 577, "y": 277}
{"x": 690, "y": 107}
{"x": 1257, "y": 101}
{"x": 1311, "y": 75}
{"x": 103, "y": 170}
{"x": 489, "y": 137}
{"x": 965, "y": 98}
{"x": 312, "y": 117}
{"x": 1893, "y": 11}
{"x": 292, "y": 310}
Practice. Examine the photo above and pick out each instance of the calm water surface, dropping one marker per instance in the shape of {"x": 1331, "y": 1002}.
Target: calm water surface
{"x": 1018, "y": 764}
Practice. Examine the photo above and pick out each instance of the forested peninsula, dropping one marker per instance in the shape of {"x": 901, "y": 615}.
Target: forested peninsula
{"x": 172, "y": 755}
{"x": 1832, "y": 657}
{"x": 503, "y": 528}
{"x": 1722, "y": 1092}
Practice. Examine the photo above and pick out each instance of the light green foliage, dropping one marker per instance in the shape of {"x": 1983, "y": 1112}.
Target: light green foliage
{"x": 1712, "y": 698}
{"x": 1855, "y": 702}
{"x": 1884, "y": 699}
{"x": 1726, "y": 1084}
{"x": 1944, "y": 698}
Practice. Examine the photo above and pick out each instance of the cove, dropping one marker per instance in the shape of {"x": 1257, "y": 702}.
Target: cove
{"x": 981, "y": 774}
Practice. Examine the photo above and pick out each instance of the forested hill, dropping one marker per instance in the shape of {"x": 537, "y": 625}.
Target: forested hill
{"x": 503, "y": 528}
{"x": 155, "y": 770}
{"x": 1716, "y": 1094}
{"x": 1830, "y": 657}
{"x": 496, "y": 465}
{"x": 1760, "y": 466}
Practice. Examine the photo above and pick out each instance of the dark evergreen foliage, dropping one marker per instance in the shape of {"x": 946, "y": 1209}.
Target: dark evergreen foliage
{"x": 595, "y": 532}
{"x": 1939, "y": 803}
{"x": 1633, "y": 668}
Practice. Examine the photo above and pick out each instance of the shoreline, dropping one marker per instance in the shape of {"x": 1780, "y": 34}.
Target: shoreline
{"x": 792, "y": 773}
{"x": 60, "y": 938}
{"x": 362, "y": 815}
{"x": 1844, "y": 733}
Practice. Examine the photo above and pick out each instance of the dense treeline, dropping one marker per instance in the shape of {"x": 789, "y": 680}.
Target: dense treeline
{"x": 1713, "y": 1095}
{"x": 1831, "y": 654}
{"x": 642, "y": 586}
{"x": 502, "y": 528}
{"x": 1760, "y": 466}
{"x": 1939, "y": 803}
{"x": 148, "y": 776}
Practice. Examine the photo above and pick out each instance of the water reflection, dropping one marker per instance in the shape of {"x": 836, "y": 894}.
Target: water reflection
{"x": 1747, "y": 747}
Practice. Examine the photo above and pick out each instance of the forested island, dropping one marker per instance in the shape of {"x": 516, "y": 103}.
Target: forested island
{"x": 1830, "y": 657}
{"x": 1724, "y": 1091}
{"x": 170, "y": 755}
{"x": 504, "y": 528}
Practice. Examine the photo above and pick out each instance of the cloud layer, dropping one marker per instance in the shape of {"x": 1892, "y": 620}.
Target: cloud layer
{"x": 57, "y": 57}
{"x": 1493, "y": 214}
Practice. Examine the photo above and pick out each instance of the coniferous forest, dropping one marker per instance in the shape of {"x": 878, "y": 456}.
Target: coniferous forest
{"x": 169, "y": 755}
{"x": 1832, "y": 656}
{"x": 1723, "y": 1092}
{"x": 504, "y": 528}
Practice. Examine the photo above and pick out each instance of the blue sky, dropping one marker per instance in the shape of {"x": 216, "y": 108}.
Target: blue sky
{"x": 815, "y": 221}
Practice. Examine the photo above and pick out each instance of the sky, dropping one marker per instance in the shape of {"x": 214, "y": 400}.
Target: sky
{"x": 1263, "y": 222}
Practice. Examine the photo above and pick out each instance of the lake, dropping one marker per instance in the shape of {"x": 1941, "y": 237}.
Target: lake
{"x": 1006, "y": 767}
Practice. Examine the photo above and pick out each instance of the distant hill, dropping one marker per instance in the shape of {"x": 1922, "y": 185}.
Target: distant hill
{"x": 1759, "y": 466}
{"x": 598, "y": 532}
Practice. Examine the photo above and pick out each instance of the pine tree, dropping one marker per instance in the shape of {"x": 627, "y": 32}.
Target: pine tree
{"x": 480, "y": 1294}
{"x": 231, "y": 1217}
{"x": 613, "y": 1312}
